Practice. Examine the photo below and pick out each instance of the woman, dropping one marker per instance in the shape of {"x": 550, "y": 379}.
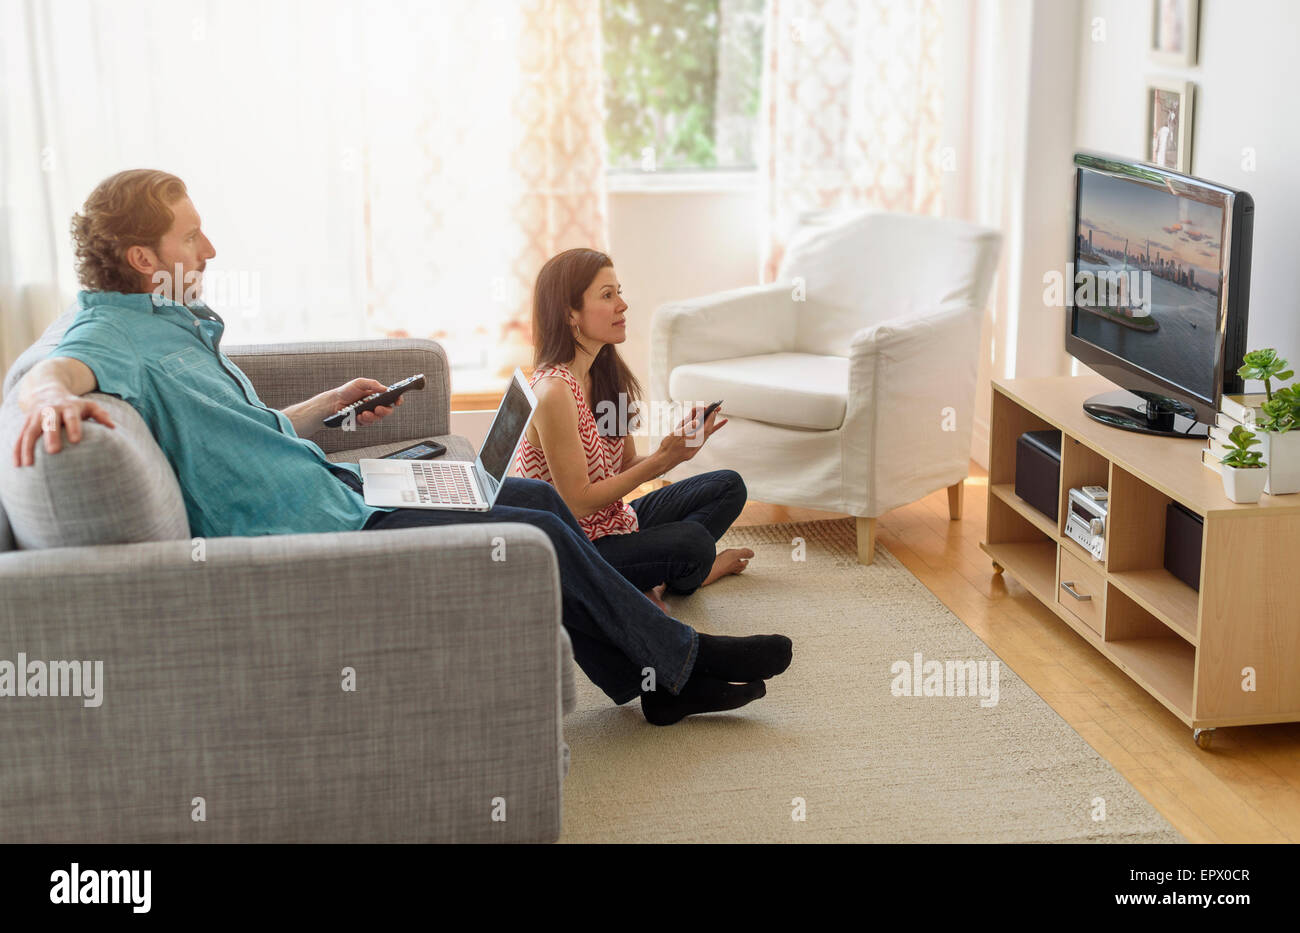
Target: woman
{"x": 668, "y": 538}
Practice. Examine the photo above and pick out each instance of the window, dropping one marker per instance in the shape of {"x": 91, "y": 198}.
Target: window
{"x": 682, "y": 83}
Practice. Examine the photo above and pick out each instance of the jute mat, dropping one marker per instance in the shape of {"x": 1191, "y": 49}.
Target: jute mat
{"x": 832, "y": 754}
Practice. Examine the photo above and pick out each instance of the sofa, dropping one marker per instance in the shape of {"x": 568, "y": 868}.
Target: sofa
{"x": 385, "y": 686}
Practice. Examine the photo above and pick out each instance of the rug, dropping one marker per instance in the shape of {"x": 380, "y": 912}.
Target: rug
{"x": 894, "y": 723}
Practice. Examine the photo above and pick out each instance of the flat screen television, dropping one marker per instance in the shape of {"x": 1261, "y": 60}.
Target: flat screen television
{"x": 1161, "y": 285}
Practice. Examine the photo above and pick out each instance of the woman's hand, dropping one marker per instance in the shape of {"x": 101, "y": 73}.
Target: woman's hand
{"x": 688, "y": 437}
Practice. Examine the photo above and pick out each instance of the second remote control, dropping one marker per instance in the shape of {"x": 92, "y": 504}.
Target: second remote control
{"x": 375, "y": 400}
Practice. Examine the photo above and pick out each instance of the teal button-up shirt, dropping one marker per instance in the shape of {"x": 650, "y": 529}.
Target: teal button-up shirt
{"x": 242, "y": 467}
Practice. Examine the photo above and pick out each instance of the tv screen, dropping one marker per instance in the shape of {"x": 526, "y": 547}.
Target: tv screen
{"x": 1166, "y": 321}
{"x": 1160, "y": 288}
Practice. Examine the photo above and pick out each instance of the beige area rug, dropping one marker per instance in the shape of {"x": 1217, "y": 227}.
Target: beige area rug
{"x": 868, "y": 766}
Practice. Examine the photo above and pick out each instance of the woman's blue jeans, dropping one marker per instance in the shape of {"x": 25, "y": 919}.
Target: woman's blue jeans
{"x": 680, "y": 527}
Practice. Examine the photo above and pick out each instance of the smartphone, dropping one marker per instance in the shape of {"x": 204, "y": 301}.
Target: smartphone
{"x": 710, "y": 410}
{"x": 425, "y": 450}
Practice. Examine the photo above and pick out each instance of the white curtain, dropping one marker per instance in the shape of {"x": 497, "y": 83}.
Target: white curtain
{"x": 395, "y": 167}
{"x": 1010, "y": 76}
{"x": 852, "y": 111}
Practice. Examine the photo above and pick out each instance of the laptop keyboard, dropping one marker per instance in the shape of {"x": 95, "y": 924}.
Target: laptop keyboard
{"x": 443, "y": 483}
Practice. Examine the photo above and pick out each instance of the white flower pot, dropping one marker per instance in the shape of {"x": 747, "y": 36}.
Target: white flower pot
{"x": 1282, "y": 454}
{"x": 1244, "y": 485}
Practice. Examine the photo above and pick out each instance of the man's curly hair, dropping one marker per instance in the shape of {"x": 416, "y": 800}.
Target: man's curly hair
{"x": 127, "y": 209}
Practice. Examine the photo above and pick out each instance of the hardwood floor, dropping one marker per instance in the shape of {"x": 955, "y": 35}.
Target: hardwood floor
{"x": 1245, "y": 788}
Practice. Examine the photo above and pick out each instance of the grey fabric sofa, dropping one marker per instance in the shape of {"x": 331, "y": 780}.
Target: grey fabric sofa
{"x": 395, "y": 686}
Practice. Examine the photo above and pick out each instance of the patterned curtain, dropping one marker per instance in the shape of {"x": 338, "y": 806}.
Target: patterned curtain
{"x": 852, "y": 111}
{"x": 386, "y": 168}
{"x": 484, "y": 156}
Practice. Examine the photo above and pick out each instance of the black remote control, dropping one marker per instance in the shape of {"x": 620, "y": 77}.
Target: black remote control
{"x": 371, "y": 402}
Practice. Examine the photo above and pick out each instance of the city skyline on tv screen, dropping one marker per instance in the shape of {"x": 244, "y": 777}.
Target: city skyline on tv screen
{"x": 1167, "y": 249}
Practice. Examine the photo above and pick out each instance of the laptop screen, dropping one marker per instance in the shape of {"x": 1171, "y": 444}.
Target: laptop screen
{"x": 507, "y": 428}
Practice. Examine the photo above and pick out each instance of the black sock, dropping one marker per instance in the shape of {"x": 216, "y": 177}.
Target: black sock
{"x": 753, "y": 657}
{"x": 699, "y": 695}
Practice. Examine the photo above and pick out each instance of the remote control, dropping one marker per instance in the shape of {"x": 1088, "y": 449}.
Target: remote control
{"x": 1098, "y": 493}
{"x": 373, "y": 401}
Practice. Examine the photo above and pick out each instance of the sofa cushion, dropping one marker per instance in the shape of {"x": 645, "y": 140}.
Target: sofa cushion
{"x": 798, "y": 390}
{"x": 114, "y": 487}
{"x": 6, "y": 533}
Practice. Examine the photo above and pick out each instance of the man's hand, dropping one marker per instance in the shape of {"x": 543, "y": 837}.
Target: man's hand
{"x": 355, "y": 391}
{"x": 50, "y": 396}
{"x": 49, "y": 417}
{"x": 307, "y": 416}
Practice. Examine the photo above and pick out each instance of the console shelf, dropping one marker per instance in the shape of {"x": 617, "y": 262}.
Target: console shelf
{"x": 1007, "y": 493}
{"x": 1032, "y": 562}
{"x": 1226, "y": 654}
{"x": 1163, "y": 595}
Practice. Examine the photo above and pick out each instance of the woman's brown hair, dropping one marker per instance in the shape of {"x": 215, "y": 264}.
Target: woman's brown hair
{"x": 127, "y": 209}
{"x": 559, "y": 289}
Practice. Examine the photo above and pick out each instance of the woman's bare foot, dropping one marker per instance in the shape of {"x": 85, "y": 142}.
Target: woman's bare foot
{"x": 732, "y": 560}
{"x": 656, "y": 596}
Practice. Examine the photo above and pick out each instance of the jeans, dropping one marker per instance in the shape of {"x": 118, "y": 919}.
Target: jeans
{"x": 680, "y": 527}
{"x": 615, "y": 630}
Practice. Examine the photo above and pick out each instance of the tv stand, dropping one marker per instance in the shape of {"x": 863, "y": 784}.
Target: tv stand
{"x": 1146, "y": 413}
{"x": 1227, "y": 654}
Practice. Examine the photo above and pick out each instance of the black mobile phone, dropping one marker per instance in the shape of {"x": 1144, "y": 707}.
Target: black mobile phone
{"x": 374, "y": 400}
{"x": 425, "y": 450}
{"x": 710, "y": 410}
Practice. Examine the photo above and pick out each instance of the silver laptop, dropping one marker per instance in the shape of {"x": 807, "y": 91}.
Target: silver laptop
{"x": 456, "y": 484}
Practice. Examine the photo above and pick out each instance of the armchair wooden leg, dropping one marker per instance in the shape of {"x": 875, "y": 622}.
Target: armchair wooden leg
{"x": 866, "y": 540}
{"x": 956, "y": 493}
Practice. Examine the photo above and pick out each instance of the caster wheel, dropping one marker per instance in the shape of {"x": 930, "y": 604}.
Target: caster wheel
{"x": 997, "y": 568}
{"x": 1202, "y": 737}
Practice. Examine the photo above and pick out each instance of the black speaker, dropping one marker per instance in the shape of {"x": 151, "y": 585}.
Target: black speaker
{"x": 1183, "y": 529}
{"x": 1038, "y": 470}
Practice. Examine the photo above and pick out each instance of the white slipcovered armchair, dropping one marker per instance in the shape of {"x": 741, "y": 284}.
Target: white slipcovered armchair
{"x": 849, "y": 382}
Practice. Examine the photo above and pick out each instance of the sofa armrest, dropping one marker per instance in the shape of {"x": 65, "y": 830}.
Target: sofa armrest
{"x": 907, "y": 429}
{"x": 740, "y": 322}
{"x": 226, "y": 678}
{"x": 287, "y": 373}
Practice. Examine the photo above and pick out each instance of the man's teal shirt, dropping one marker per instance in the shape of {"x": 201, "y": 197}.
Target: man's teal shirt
{"x": 242, "y": 467}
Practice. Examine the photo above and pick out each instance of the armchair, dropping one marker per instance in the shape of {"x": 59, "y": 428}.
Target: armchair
{"x": 849, "y": 382}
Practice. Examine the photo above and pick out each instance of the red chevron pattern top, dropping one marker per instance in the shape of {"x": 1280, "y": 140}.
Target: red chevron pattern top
{"x": 604, "y": 458}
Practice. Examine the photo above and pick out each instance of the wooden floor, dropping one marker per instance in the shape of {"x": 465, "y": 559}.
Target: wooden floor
{"x": 1245, "y": 788}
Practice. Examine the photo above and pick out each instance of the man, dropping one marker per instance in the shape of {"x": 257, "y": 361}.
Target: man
{"x": 143, "y": 335}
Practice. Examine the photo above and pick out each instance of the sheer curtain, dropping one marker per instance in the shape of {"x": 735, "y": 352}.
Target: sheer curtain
{"x": 852, "y": 111}
{"x": 395, "y": 167}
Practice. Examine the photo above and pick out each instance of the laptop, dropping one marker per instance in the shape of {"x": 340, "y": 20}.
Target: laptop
{"x": 456, "y": 484}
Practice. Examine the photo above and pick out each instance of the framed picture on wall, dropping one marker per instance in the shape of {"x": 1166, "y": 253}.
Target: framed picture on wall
{"x": 1173, "y": 32}
{"x": 1169, "y": 124}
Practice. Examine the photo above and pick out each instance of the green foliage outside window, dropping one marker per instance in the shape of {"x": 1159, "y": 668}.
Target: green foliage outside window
{"x": 682, "y": 81}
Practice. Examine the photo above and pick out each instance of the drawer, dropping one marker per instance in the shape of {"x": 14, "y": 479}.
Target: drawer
{"x": 1089, "y": 606}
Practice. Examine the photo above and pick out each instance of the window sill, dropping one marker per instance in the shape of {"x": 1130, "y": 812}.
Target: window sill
{"x": 745, "y": 180}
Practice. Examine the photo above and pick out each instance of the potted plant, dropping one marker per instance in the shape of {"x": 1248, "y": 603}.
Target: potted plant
{"x": 1279, "y": 446}
{"x": 1244, "y": 472}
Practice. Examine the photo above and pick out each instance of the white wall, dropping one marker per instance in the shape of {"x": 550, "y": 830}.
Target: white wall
{"x": 1015, "y": 65}
{"x": 669, "y": 245}
{"x": 1246, "y": 79}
